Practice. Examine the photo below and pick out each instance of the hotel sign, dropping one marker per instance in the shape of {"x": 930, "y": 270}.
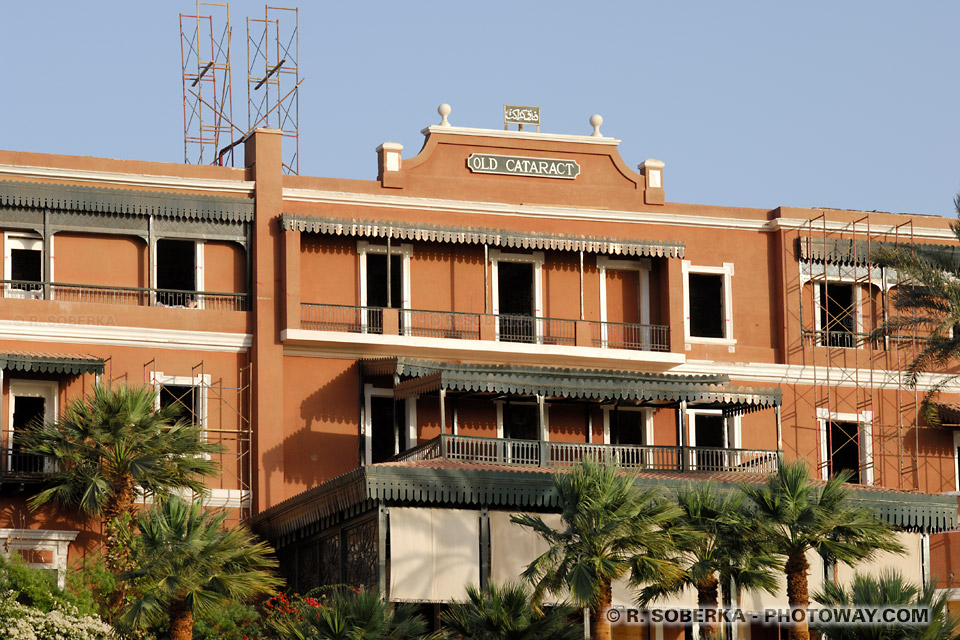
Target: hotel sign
{"x": 523, "y": 166}
{"x": 517, "y": 114}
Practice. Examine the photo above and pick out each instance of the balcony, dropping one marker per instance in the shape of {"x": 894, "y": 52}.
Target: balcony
{"x": 560, "y": 455}
{"x": 127, "y": 296}
{"x": 18, "y": 467}
{"x": 483, "y": 326}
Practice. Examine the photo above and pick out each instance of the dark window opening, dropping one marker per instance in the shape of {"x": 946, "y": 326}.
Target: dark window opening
{"x": 843, "y": 447}
{"x": 27, "y": 412}
{"x": 521, "y": 422}
{"x": 384, "y": 434}
{"x": 186, "y": 400}
{"x": 837, "y": 314}
{"x": 515, "y": 291}
{"x": 627, "y": 428}
{"x": 26, "y": 265}
{"x": 706, "y": 305}
{"x": 708, "y": 431}
{"x": 176, "y": 273}
{"x": 377, "y": 281}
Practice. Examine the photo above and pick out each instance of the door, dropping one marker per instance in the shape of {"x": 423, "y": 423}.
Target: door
{"x": 377, "y": 295}
{"x": 623, "y": 310}
{"x": 516, "y": 301}
{"x": 30, "y": 402}
{"x": 708, "y": 437}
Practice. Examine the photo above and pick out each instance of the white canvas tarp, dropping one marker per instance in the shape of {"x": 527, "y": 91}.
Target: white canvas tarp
{"x": 434, "y": 553}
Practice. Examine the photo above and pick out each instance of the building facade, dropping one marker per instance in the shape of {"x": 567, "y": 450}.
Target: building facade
{"x": 394, "y": 366}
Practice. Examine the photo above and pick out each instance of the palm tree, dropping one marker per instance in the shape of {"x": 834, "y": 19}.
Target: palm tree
{"x": 889, "y": 589}
{"x": 506, "y": 613}
{"x": 190, "y": 564}
{"x": 798, "y": 515}
{"x": 349, "y": 615}
{"x": 928, "y": 304}
{"x": 113, "y": 443}
{"x": 727, "y": 548}
{"x": 609, "y": 529}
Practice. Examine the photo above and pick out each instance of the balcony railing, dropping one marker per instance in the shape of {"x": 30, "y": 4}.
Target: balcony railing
{"x": 478, "y": 326}
{"x": 22, "y": 466}
{"x": 842, "y": 339}
{"x": 535, "y": 453}
{"x": 129, "y": 296}
{"x": 639, "y": 337}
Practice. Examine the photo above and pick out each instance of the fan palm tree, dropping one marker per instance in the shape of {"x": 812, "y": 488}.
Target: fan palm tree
{"x": 727, "y": 548}
{"x": 190, "y": 564}
{"x": 927, "y": 303}
{"x": 349, "y": 615}
{"x": 506, "y": 613}
{"x": 609, "y": 529}
{"x": 798, "y": 515}
{"x": 889, "y": 589}
{"x": 113, "y": 443}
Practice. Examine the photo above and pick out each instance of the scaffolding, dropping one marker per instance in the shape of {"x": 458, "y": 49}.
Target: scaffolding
{"x": 223, "y": 410}
{"x": 273, "y": 77}
{"x": 207, "y": 92}
{"x": 854, "y": 373}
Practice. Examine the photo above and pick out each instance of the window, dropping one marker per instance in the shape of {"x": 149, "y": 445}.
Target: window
{"x": 836, "y": 305}
{"x": 517, "y": 295}
{"x": 846, "y": 445}
{"x": 710, "y": 433}
{"x": 628, "y": 426}
{"x": 381, "y": 431}
{"x": 843, "y": 449}
{"x": 23, "y": 266}
{"x": 708, "y": 302}
{"x": 187, "y": 393}
{"x": 30, "y": 402}
{"x": 179, "y": 273}
{"x": 373, "y": 283}
{"x": 185, "y": 399}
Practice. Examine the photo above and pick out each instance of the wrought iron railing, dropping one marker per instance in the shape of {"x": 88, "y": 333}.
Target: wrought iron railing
{"x": 625, "y": 335}
{"x": 340, "y": 317}
{"x": 440, "y": 324}
{"x": 131, "y": 296}
{"x": 535, "y": 453}
{"x": 842, "y": 339}
{"x": 533, "y": 330}
{"x": 16, "y": 464}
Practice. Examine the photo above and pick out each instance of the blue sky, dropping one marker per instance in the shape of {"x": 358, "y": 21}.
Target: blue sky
{"x": 849, "y": 104}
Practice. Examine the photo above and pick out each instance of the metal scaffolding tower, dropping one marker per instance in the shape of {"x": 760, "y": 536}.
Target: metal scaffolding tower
{"x": 842, "y": 300}
{"x": 207, "y": 94}
{"x": 273, "y": 78}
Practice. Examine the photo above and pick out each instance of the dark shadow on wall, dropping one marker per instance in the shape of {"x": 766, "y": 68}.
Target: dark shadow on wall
{"x": 309, "y": 456}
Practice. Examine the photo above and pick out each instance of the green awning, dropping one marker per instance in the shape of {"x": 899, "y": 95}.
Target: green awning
{"x": 50, "y": 363}
{"x": 32, "y": 195}
{"x": 477, "y": 235}
{"x": 417, "y": 377}
{"x": 849, "y": 251}
{"x": 475, "y": 486}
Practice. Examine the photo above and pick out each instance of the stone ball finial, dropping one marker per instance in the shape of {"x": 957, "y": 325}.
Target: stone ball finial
{"x": 444, "y": 111}
{"x": 595, "y": 121}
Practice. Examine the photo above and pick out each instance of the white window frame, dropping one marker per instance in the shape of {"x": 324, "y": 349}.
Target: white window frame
{"x": 158, "y": 379}
{"x": 198, "y": 266}
{"x": 858, "y": 302}
{"x": 731, "y": 427}
{"x": 405, "y": 251}
{"x": 536, "y": 259}
{"x": 642, "y": 267}
{"x": 369, "y": 392}
{"x": 726, "y": 270}
{"x": 956, "y": 462}
{"x": 864, "y": 420}
{"x": 28, "y": 242}
{"x": 647, "y": 423}
{"x": 56, "y": 541}
{"x": 49, "y": 390}
{"x": 544, "y": 433}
